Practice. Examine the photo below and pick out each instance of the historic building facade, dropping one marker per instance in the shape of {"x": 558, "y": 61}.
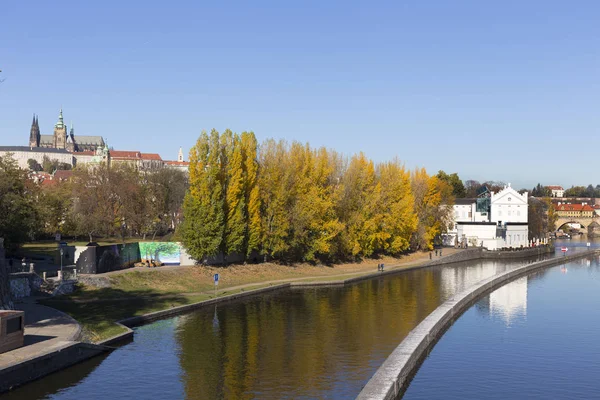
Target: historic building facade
{"x": 493, "y": 220}
{"x": 61, "y": 139}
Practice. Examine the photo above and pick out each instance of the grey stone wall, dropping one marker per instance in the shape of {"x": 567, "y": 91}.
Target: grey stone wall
{"x": 69, "y": 353}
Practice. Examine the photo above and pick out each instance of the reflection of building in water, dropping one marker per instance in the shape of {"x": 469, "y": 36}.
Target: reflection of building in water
{"x": 510, "y": 300}
{"x": 456, "y": 279}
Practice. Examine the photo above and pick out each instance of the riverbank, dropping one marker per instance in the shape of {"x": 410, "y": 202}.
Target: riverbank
{"x": 134, "y": 294}
{"x": 139, "y": 291}
{"x": 130, "y": 311}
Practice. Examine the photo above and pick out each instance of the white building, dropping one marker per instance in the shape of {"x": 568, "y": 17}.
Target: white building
{"x": 23, "y": 153}
{"x": 505, "y": 225}
{"x": 557, "y": 191}
{"x": 180, "y": 164}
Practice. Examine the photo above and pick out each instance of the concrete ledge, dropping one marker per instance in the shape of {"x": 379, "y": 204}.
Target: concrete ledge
{"x": 120, "y": 338}
{"x": 393, "y": 377}
{"x": 56, "y": 357}
{"x": 143, "y": 319}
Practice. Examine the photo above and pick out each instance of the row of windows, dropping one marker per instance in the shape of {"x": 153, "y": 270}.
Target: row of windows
{"x": 518, "y": 213}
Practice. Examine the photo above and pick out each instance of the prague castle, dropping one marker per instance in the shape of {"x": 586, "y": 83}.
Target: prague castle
{"x": 61, "y": 139}
{"x": 68, "y": 148}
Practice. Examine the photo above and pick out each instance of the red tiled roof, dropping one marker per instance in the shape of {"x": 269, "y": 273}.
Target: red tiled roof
{"x": 575, "y": 207}
{"x": 83, "y": 153}
{"x": 125, "y": 154}
{"x": 150, "y": 156}
{"x": 63, "y": 174}
{"x": 555, "y": 187}
{"x": 49, "y": 182}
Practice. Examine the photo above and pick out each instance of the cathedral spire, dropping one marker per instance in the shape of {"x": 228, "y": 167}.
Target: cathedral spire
{"x": 34, "y": 133}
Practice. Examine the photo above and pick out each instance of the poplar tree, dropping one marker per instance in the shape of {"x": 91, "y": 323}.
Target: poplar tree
{"x": 251, "y": 192}
{"x": 433, "y": 204}
{"x": 397, "y": 200}
{"x": 274, "y": 197}
{"x": 203, "y": 227}
{"x": 357, "y": 207}
{"x": 235, "y": 234}
{"x": 325, "y": 226}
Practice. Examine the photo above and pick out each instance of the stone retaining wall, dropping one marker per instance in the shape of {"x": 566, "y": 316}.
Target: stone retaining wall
{"x": 56, "y": 358}
{"x": 479, "y": 253}
{"x": 394, "y": 375}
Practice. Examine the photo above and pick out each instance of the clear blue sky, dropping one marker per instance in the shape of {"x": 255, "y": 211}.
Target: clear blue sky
{"x": 491, "y": 90}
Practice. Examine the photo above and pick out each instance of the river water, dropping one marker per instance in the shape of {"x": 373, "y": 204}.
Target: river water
{"x": 311, "y": 343}
{"x": 536, "y": 337}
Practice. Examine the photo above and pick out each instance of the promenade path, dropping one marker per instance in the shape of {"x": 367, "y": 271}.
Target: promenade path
{"x": 46, "y": 330}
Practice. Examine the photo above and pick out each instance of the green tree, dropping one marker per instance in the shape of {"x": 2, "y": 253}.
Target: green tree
{"x": 458, "y": 189}
{"x": 19, "y": 216}
{"x": 34, "y": 165}
{"x": 204, "y": 218}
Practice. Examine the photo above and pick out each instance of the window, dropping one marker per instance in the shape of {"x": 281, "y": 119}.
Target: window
{"x": 13, "y": 325}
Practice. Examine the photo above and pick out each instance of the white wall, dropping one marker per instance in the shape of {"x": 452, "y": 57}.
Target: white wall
{"x": 509, "y": 206}
{"x": 22, "y": 156}
{"x": 517, "y": 236}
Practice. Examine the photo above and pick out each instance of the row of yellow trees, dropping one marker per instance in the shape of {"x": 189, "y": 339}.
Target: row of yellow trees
{"x": 295, "y": 203}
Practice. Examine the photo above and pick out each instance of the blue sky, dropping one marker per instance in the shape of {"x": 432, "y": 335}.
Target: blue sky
{"x": 491, "y": 90}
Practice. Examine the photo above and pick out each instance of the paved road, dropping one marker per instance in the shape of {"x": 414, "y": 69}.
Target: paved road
{"x": 45, "y": 330}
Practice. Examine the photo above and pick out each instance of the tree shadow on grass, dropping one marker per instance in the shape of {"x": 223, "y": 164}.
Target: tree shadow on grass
{"x": 99, "y": 313}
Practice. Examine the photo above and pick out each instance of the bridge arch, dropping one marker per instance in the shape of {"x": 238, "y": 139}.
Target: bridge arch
{"x": 584, "y": 222}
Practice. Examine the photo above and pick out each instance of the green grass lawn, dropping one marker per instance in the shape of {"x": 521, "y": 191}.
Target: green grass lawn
{"x": 98, "y": 317}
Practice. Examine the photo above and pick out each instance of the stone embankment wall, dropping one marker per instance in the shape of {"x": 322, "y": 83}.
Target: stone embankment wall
{"x": 58, "y": 357}
{"x": 394, "y": 375}
{"x": 478, "y": 253}
{"x": 22, "y": 284}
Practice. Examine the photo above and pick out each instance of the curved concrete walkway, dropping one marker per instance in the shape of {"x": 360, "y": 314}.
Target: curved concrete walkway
{"x": 393, "y": 377}
{"x": 46, "y": 330}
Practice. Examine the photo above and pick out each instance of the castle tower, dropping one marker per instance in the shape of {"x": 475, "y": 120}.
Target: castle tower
{"x": 60, "y": 133}
{"x": 71, "y": 146}
{"x": 180, "y": 155}
{"x": 34, "y": 133}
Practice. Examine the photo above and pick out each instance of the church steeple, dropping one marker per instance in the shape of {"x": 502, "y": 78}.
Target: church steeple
{"x": 60, "y": 123}
{"x": 180, "y": 155}
{"x": 60, "y": 133}
{"x": 34, "y": 133}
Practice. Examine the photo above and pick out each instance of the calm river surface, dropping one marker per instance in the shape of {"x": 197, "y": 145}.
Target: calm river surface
{"x": 536, "y": 337}
{"x": 315, "y": 343}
